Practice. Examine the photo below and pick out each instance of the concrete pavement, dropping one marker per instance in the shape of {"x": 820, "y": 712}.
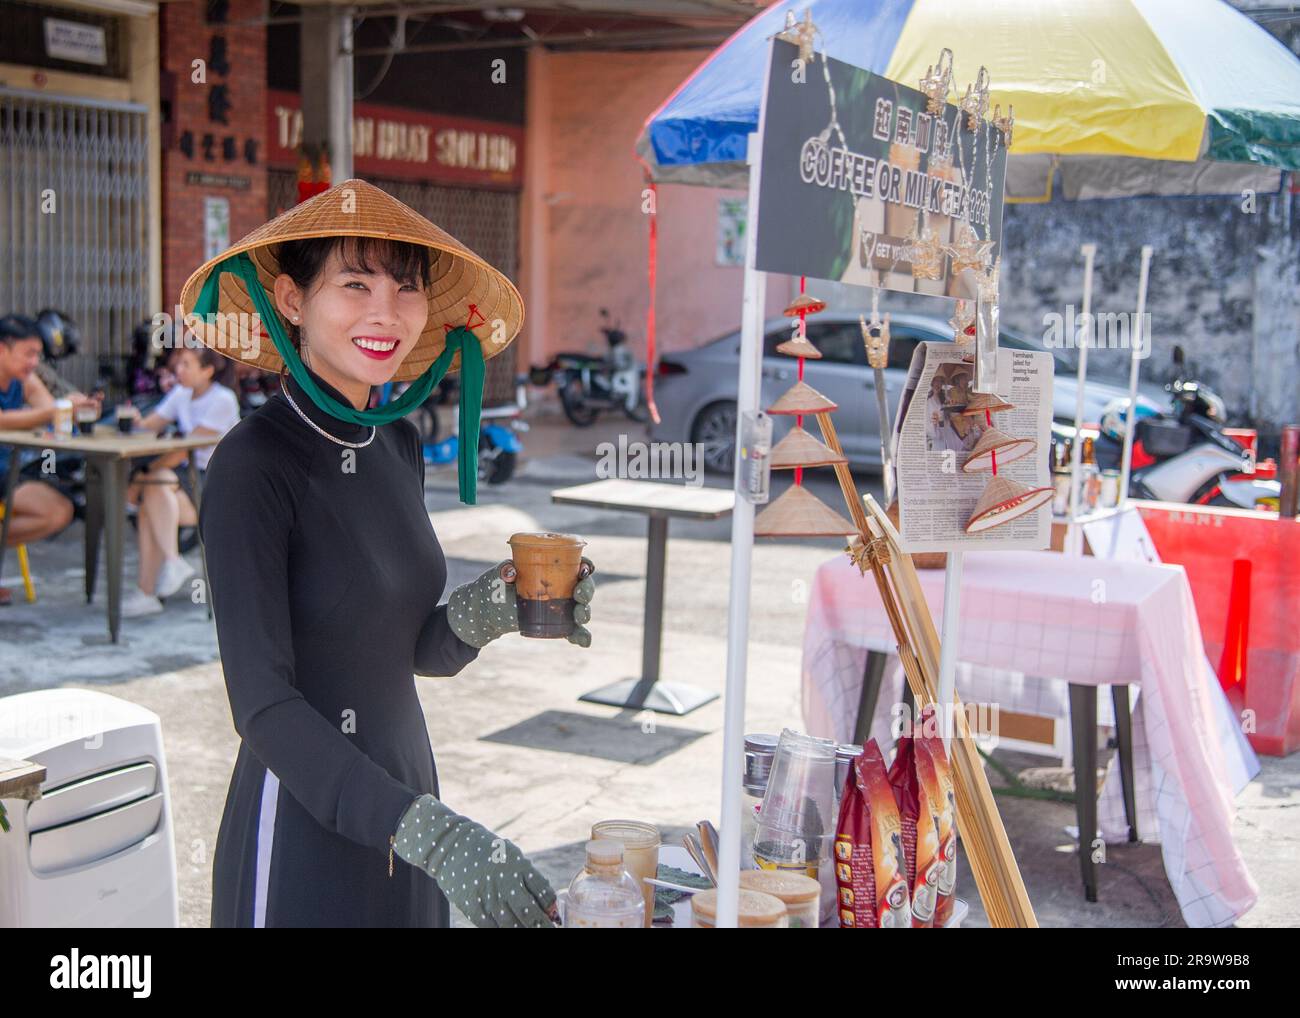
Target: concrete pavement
{"x": 518, "y": 752}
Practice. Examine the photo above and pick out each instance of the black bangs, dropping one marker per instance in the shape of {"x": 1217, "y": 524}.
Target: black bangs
{"x": 304, "y": 260}
{"x": 407, "y": 263}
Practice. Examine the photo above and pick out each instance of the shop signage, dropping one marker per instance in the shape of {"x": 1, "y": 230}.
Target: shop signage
{"x": 396, "y": 143}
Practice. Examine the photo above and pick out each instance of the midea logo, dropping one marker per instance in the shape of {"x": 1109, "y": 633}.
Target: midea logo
{"x": 101, "y": 972}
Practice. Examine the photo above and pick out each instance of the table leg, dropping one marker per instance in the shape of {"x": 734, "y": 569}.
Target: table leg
{"x": 94, "y": 523}
{"x": 873, "y": 675}
{"x": 1124, "y": 738}
{"x": 11, "y": 482}
{"x": 648, "y": 692}
{"x": 653, "y": 629}
{"x": 114, "y": 525}
{"x": 203, "y": 555}
{"x": 1083, "y": 725}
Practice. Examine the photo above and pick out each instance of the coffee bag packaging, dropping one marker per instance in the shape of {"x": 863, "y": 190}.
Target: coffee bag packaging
{"x": 920, "y": 835}
{"x": 936, "y": 779}
{"x": 870, "y": 866}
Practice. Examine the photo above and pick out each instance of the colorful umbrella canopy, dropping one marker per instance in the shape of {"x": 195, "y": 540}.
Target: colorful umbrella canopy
{"x": 1123, "y": 97}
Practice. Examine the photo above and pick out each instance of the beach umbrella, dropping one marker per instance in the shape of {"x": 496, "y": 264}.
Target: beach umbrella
{"x": 1121, "y": 97}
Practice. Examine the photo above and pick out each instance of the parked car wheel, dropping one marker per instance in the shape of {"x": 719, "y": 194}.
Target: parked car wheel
{"x": 715, "y": 430}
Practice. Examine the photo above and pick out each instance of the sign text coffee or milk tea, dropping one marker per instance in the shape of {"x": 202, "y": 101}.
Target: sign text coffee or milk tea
{"x": 547, "y": 568}
{"x": 867, "y": 186}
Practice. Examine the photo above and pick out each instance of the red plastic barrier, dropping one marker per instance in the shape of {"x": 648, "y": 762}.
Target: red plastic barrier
{"x": 1257, "y": 639}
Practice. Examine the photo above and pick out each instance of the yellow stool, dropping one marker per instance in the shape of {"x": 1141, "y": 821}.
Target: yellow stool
{"x": 24, "y": 566}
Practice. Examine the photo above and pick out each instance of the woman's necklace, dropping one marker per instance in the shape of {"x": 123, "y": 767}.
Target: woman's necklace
{"x": 351, "y": 445}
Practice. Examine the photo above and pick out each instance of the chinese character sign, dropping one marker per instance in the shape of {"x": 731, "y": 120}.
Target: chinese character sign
{"x": 860, "y": 183}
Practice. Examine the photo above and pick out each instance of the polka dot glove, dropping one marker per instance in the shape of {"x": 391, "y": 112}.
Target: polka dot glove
{"x": 485, "y": 608}
{"x": 481, "y": 873}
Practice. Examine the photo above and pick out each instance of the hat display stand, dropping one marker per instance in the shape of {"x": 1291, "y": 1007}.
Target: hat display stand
{"x": 877, "y": 547}
{"x": 798, "y": 512}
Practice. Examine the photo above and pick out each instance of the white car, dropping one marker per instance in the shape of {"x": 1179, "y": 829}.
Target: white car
{"x": 695, "y": 390}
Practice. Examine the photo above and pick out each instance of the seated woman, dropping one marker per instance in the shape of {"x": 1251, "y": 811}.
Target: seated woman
{"x": 41, "y": 507}
{"x": 201, "y": 403}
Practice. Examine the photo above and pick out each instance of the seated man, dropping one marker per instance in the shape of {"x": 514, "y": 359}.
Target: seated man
{"x": 39, "y": 509}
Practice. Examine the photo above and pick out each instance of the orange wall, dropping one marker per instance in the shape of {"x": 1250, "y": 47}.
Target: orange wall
{"x": 583, "y": 218}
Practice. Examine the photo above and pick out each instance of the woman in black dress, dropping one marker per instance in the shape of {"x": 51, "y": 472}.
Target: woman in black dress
{"x": 325, "y": 575}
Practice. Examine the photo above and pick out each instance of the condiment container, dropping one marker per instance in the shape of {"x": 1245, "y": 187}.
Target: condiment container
{"x": 760, "y": 749}
{"x": 604, "y": 895}
{"x": 63, "y": 418}
{"x": 801, "y": 895}
{"x": 640, "y": 842}
{"x": 756, "y": 910}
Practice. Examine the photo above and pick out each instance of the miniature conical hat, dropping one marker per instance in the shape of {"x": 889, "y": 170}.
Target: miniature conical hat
{"x": 799, "y": 347}
{"x": 802, "y": 398}
{"x": 799, "y": 513}
{"x": 800, "y": 449}
{"x": 806, "y": 303}
{"x": 1003, "y": 500}
{"x": 1008, "y": 449}
{"x": 982, "y": 401}
{"x": 464, "y": 290}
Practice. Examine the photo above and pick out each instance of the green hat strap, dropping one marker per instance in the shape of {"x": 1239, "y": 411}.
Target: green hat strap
{"x": 460, "y": 338}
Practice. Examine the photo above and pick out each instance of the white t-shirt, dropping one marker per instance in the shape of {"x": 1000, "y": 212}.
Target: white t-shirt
{"x": 217, "y": 410}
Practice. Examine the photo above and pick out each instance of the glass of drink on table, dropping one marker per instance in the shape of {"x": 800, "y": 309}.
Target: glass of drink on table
{"x": 640, "y": 854}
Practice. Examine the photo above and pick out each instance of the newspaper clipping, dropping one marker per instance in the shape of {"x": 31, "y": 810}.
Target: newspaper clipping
{"x": 933, "y": 441}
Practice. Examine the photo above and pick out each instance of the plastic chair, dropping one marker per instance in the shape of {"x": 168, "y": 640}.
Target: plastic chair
{"x": 24, "y": 566}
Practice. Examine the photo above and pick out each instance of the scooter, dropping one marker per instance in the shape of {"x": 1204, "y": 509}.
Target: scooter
{"x": 499, "y": 444}
{"x": 589, "y": 384}
{"x": 1188, "y": 454}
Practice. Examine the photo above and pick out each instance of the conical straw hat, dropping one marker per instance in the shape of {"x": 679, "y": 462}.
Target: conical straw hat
{"x": 802, "y": 398}
{"x": 800, "y": 449}
{"x": 806, "y": 303}
{"x": 1003, "y": 500}
{"x": 982, "y": 401}
{"x": 799, "y": 347}
{"x": 458, "y": 277}
{"x": 1008, "y": 449}
{"x": 798, "y": 513}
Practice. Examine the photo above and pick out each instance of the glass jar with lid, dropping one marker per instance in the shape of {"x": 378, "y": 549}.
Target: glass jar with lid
{"x": 756, "y": 910}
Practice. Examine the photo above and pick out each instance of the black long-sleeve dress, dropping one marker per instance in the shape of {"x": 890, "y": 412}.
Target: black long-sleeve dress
{"x": 325, "y": 575}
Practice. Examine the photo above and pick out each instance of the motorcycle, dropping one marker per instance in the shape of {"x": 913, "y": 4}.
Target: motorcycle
{"x": 588, "y": 384}
{"x": 499, "y": 444}
{"x": 1188, "y": 454}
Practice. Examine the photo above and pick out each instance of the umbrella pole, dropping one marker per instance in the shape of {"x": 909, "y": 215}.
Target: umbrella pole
{"x": 1137, "y": 333}
{"x": 1089, "y": 252}
{"x": 742, "y": 548}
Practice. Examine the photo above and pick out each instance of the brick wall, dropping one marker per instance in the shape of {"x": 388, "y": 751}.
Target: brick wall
{"x": 185, "y": 36}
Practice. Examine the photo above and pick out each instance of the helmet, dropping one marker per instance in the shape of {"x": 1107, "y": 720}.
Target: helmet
{"x": 59, "y": 334}
{"x": 1114, "y": 418}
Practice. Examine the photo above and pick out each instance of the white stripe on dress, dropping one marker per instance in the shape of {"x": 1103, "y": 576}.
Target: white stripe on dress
{"x": 265, "y": 841}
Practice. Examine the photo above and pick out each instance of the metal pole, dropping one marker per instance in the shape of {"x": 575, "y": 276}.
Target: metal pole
{"x": 1089, "y": 252}
{"x": 1138, "y": 334}
{"x": 948, "y": 646}
{"x": 742, "y": 547}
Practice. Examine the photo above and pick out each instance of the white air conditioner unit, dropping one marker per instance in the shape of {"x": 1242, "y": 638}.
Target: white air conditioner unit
{"x": 96, "y": 849}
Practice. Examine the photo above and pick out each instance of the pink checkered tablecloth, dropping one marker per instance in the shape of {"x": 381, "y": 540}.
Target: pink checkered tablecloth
{"x": 1031, "y": 622}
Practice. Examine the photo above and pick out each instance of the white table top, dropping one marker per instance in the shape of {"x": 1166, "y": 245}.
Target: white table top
{"x": 652, "y": 497}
